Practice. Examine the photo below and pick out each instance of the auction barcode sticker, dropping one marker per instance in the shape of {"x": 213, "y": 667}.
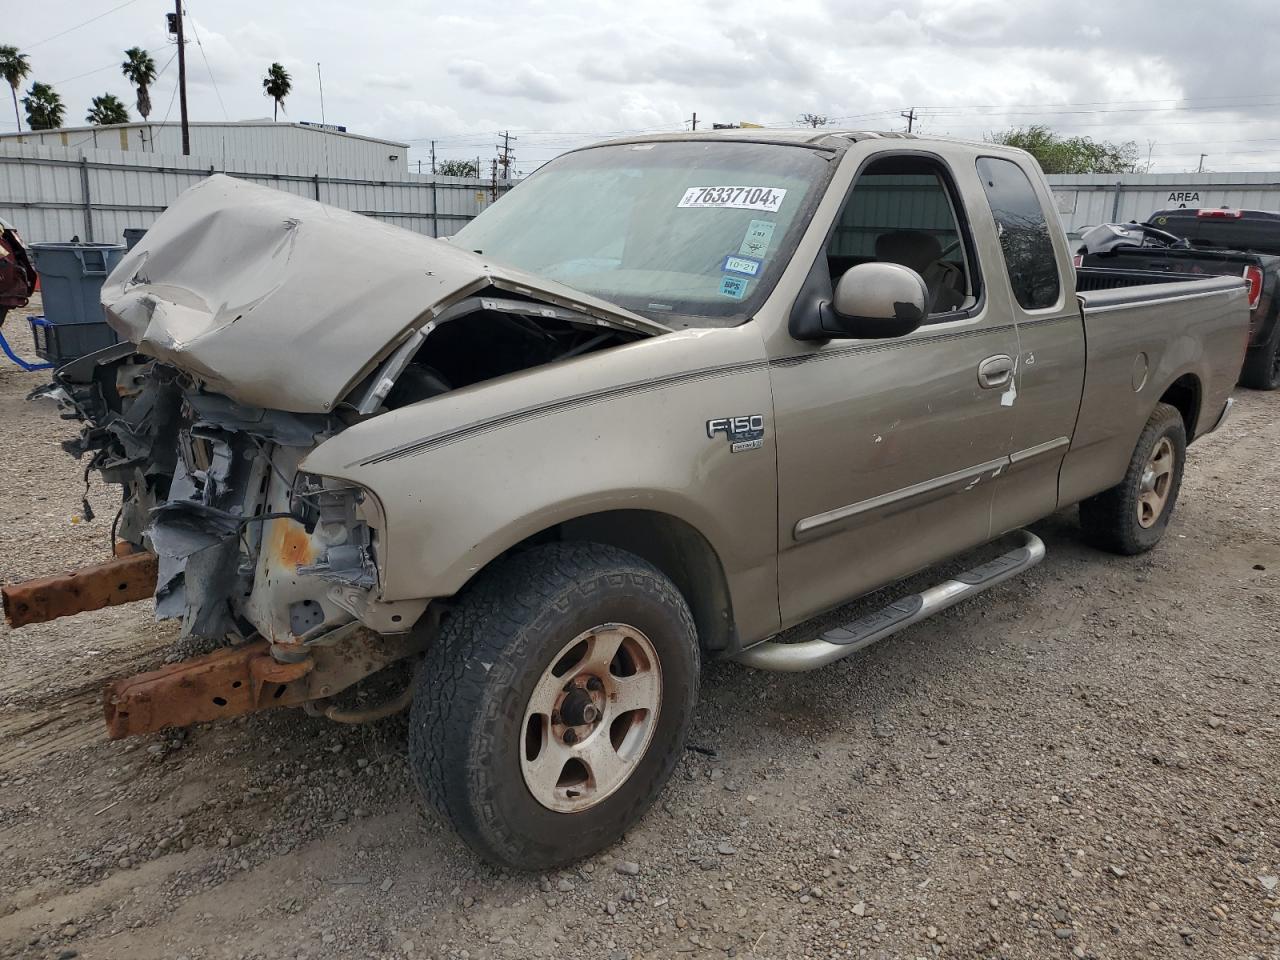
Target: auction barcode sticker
{"x": 735, "y": 198}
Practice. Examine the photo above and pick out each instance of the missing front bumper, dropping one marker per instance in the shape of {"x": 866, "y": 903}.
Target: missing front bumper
{"x": 122, "y": 580}
{"x": 246, "y": 679}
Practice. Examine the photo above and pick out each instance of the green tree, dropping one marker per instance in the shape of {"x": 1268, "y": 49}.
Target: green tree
{"x": 44, "y": 106}
{"x": 14, "y": 67}
{"x": 457, "y": 168}
{"x": 814, "y": 120}
{"x": 140, "y": 70}
{"x": 277, "y": 85}
{"x": 1058, "y": 154}
{"x": 107, "y": 109}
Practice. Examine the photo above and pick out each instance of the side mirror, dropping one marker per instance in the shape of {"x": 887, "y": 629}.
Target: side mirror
{"x": 872, "y": 301}
{"x": 877, "y": 300}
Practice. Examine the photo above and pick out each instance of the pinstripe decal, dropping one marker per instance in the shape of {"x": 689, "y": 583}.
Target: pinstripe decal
{"x": 555, "y": 406}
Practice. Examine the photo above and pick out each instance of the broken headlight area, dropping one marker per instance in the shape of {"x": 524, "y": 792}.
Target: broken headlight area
{"x": 246, "y": 543}
{"x": 331, "y": 512}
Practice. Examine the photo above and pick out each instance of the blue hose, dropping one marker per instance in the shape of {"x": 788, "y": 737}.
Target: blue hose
{"x": 8, "y": 352}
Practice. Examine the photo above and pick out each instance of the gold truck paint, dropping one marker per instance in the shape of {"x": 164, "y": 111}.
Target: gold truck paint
{"x": 879, "y": 457}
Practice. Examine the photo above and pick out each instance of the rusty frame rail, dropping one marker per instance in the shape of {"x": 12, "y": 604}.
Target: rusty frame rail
{"x": 233, "y": 681}
{"x": 122, "y": 580}
{"x": 226, "y": 683}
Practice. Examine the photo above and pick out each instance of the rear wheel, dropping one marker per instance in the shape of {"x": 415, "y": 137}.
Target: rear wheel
{"x": 1262, "y": 366}
{"x": 554, "y": 706}
{"x": 1132, "y": 516}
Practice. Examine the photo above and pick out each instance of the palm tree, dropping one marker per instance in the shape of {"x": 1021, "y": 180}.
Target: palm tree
{"x": 276, "y": 85}
{"x": 107, "y": 109}
{"x": 14, "y": 67}
{"x": 45, "y": 109}
{"x": 140, "y": 70}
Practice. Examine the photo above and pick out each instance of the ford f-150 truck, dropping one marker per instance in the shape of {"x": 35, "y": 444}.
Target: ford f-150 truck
{"x": 1182, "y": 244}
{"x": 669, "y": 397}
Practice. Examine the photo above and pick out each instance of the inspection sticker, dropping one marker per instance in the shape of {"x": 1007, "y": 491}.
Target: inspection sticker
{"x": 735, "y": 287}
{"x": 735, "y": 198}
{"x": 759, "y": 236}
{"x": 747, "y": 266}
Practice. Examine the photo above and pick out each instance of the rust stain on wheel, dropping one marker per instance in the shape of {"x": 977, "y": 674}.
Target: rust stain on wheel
{"x": 591, "y": 717}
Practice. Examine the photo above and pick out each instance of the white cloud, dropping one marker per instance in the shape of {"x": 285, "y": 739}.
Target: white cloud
{"x": 561, "y": 72}
{"x": 525, "y": 82}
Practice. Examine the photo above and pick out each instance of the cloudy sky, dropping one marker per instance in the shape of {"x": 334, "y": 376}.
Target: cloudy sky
{"x": 1177, "y": 77}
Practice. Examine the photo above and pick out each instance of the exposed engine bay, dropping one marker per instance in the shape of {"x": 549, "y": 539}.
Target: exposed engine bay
{"x": 248, "y": 543}
{"x": 257, "y": 326}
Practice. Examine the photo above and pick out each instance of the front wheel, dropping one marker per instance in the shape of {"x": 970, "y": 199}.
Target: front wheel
{"x": 555, "y": 704}
{"x": 1132, "y": 516}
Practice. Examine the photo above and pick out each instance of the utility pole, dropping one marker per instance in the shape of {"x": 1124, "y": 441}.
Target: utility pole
{"x": 433, "y": 157}
{"x": 1200, "y": 169}
{"x": 493, "y": 179}
{"x": 175, "y": 27}
{"x": 504, "y": 154}
{"x": 910, "y": 117}
{"x": 693, "y": 122}
{"x": 320, "y": 81}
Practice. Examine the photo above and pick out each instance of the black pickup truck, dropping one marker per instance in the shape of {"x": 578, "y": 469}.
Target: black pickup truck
{"x": 1178, "y": 243}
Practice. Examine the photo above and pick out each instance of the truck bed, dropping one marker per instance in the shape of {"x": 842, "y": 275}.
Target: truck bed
{"x": 1142, "y": 330}
{"x": 1091, "y": 279}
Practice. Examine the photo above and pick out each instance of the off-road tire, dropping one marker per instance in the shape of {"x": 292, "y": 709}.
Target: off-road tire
{"x": 1110, "y": 519}
{"x": 473, "y": 687}
{"x": 1261, "y": 369}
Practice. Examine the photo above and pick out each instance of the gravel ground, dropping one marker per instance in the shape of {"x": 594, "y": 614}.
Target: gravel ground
{"x": 1084, "y": 762}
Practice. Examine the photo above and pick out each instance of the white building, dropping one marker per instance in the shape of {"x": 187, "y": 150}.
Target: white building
{"x": 320, "y": 149}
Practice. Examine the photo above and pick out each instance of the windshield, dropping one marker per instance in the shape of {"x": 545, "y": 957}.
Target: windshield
{"x": 689, "y": 233}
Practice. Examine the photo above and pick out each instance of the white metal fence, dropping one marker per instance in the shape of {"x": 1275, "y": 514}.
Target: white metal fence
{"x": 56, "y": 193}
{"x": 1090, "y": 199}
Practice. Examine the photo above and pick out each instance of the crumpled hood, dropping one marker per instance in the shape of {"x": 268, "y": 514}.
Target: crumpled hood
{"x": 281, "y": 302}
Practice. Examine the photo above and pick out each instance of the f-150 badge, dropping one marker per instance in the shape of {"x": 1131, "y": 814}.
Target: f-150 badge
{"x": 743, "y": 433}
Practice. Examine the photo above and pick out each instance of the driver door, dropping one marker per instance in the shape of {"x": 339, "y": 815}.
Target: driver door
{"x": 888, "y": 448}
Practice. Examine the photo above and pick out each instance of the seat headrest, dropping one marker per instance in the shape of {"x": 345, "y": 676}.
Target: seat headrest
{"x": 910, "y": 248}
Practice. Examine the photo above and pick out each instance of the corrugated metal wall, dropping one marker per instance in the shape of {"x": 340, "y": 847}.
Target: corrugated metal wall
{"x": 890, "y": 203}
{"x": 1090, "y": 199}
{"x": 313, "y": 149}
{"x": 53, "y": 193}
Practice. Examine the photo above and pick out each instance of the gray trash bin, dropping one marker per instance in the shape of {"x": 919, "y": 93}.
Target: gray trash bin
{"x": 71, "y": 276}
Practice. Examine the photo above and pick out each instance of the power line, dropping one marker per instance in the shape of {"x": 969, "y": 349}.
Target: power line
{"x": 173, "y": 96}
{"x": 208, "y": 69}
{"x": 32, "y": 46}
{"x": 89, "y": 73}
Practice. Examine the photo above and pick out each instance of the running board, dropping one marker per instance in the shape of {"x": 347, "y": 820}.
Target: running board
{"x": 842, "y": 641}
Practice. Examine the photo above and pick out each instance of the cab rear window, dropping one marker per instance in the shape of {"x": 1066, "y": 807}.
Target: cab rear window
{"x": 1024, "y": 233}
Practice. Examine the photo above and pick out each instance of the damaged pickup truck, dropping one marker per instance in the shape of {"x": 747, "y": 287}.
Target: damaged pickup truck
{"x": 668, "y": 398}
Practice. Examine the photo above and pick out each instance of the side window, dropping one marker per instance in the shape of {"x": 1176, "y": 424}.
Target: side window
{"x": 902, "y": 210}
{"x": 1024, "y": 233}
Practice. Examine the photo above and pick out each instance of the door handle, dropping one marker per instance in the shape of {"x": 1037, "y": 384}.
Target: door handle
{"x": 995, "y": 371}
